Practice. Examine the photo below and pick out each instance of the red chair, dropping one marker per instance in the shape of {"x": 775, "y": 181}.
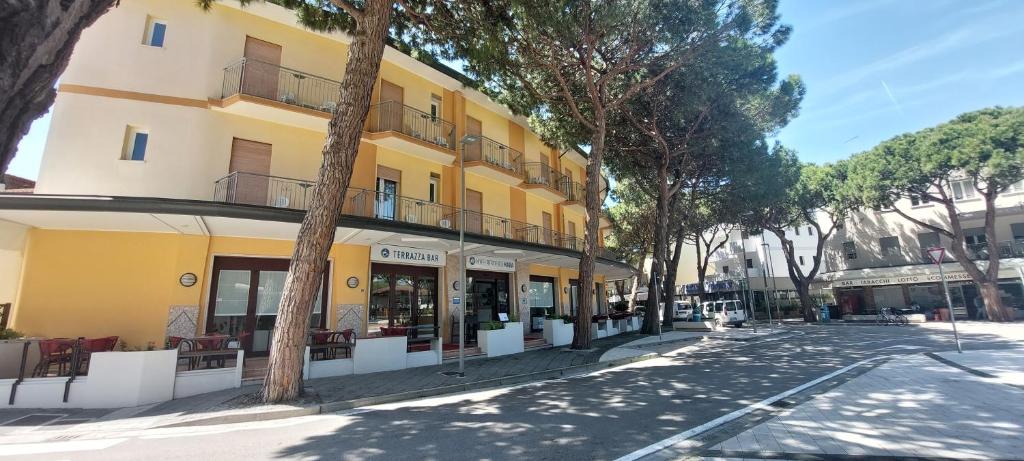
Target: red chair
{"x": 53, "y": 351}
{"x": 88, "y": 346}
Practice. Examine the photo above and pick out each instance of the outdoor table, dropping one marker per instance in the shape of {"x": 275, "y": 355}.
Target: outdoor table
{"x": 325, "y": 344}
{"x": 207, "y": 349}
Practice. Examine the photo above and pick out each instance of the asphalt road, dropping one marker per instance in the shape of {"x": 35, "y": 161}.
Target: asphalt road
{"x": 600, "y": 416}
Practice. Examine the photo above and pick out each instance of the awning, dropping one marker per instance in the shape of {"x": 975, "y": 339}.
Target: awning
{"x": 194, "y": 217}
{"x": 910, "y": 274}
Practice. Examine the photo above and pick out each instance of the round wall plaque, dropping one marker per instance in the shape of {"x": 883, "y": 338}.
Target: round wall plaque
{"x": 455, "y": 285}
{"x": 353, "y": 282}
{"x": 522, "y": 288}
{"x": 188, "y": 279}
{"x": 565, "y": 290}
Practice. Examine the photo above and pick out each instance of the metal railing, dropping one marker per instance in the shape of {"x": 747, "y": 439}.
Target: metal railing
{"x": 542, "y": 174}
{"x": 496, "y": 154}
{"x": 257, "y": 189}
{"x": 394, "y": 116}
{"x": 276, "y": 83}
{"x": 573, "y": 190}
{"x": 264, "y": 190}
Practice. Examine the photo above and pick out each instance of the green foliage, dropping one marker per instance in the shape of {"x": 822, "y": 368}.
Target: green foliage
{"x": 985, "y": 147}
{"x": 8, "y": 333}
{"x": 491, "y": 325}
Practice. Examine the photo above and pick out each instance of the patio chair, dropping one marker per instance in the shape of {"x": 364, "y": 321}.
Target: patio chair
{"x": 53, "y": 352}
{"x": 88, "y": 346}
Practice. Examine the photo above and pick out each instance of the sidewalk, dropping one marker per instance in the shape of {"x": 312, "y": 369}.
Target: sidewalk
{"x": 910, "y": 406}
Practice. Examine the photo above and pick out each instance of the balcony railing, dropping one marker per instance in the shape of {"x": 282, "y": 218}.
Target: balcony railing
{"x": 496, "y": 154}
{"x": 542, "y": 174}
{"x": 573, "y": 190}
{"x": 394, "y": 116}
{"x": 263, "y": 190}
{"x": 281, "y": 84}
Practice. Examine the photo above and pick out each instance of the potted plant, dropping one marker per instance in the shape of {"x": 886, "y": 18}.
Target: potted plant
{"x": 497, "y": 338}
{"x": 558, "y": 331}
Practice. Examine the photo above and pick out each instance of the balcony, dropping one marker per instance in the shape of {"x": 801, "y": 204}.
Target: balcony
{"x": 260, "y": 90}
{"x": 495, "y": 160}
{"x": 574, "y": 195}
{"x": 396, "y": 126}
{"x": 542, "y": 180}
{"x": 278, "y": 192}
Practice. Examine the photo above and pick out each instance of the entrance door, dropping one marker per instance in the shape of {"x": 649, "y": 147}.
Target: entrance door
{"x": 574, "y": 297}
{"x": 572, "y": 233}
{"x": 245, "y": 296}
{"x": 403, "y": 296}
{"x": 473, "y": 128}
{"x": 392, "y": 98}
{"x": 261, "y": 74}
{"x": 251, "y": 160}
{"x": 474, "y": 208}
{"x": 386, "y": 203}
{"x": 487, "y": 296}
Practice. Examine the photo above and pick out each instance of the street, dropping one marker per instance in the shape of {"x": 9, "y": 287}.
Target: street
{"x": 604, "y": 415}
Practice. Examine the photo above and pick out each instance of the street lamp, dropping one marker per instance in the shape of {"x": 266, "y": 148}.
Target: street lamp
{"x": 764, "y": 276}
{"x": 746, "y": 276}
{"x": 775, "y": 290}
{"x": 467, "y": 139}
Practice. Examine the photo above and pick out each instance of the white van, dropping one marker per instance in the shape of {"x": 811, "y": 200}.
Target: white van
{"x": 683, "y": 310}
{"x": 730, "y": 311}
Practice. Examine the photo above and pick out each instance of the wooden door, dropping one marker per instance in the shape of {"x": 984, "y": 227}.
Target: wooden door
{"x": 261, "y": 74}
{"x": 251, "y": 161}
{"x": 546, "y": 178}
{"x": 570, "y": 188}
{"x": 392, "y": 98}
{"x": 571, "y": 243}
{"x": 546, "y": 225}
{"x": 474, "y": 207}
{"x": 474, "y": 128}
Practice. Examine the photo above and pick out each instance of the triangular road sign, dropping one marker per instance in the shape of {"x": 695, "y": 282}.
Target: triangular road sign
{"x": 937, "y": 254}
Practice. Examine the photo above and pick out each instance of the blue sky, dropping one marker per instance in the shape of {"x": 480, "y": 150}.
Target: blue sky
{"x": 873, "y": 69}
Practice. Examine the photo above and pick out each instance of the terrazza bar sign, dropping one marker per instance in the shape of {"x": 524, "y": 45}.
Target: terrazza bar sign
{"x": 901, "y": 280}
{"x": 487, "y": 263}
{"x": 405, "y": 255}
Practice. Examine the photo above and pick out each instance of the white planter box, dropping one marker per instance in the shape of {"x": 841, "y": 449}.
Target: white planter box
{"x": 706, "y": 325}
{"x": 508, "y": 340}
{"x": 425, "y": 358}
{"x": 599, "y": 329}
{"x": 10, "y": 358}
{"x": 633, "y": 324}
{"x": 379, "y": 354}
{"x": 557, "y": 332}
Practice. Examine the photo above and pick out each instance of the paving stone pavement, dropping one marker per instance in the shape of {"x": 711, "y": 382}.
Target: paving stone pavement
{"x": 909, "y": 406}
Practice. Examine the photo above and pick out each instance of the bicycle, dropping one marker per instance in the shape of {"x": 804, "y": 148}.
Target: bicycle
{"x": 891, "y": 316}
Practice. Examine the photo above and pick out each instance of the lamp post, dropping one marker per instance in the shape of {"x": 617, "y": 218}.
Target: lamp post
{"x": 775, "y": 289}
{"x": 764, "y": 276}
{"x": 746, "y": 276}
{"x": 467, "y": 139}
{"x": 938, "y": 254}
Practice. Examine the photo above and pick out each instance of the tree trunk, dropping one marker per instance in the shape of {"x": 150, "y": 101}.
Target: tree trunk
{"x": 661, "y": 246}
{"x": 809, "y": 310}
{"x": 284, "y": 367}
{"x": 993, "y": 304}
{"x": 581, "y": 340}
{"x": 37, "y": 37}
{"x": 632, "y": 296}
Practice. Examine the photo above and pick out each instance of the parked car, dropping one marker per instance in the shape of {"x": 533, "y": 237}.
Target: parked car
{"x": 683, "y": 311}
{"x": 729, "y": 311}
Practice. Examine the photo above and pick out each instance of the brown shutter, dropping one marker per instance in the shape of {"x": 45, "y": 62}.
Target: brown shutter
{"x": 474, "y": 203}
{"x": 262, "y": 68}
{"x": 391, "y": 112}
{"x": 253, "y": 158}
{"x": 473, "y": 128}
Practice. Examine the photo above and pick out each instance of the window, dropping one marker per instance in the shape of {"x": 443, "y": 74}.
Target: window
{"x": 975, "y": 236}
{"x": 725, "y": 269}
{"x": 801, "y": 260}
{"x": 796, "y": 230}
{"x": 810, "y": 230}
{"x": 962, "y": 189}
{"x": 916, "y": 200}
{"x": 750, "y": 263}
{"x": 435, "y": 107}
{"x": 850, "y": 249}
{"x": 434, "y": 189}
{"x": 1018, "y": 231}
{"x": 928, "y": 239}
{"x": 135, "y": 141}
{"x": 156, "y": 29}
{"x": 890, "y": 245}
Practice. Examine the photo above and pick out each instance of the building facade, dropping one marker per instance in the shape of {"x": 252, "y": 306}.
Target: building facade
{"x": 878, "y": 258}
{"x": 181, "y": 149}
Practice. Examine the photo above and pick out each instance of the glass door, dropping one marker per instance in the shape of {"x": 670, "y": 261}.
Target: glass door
{"x": 401, "y": 307}
{"x": 574, "y": 297}
{"x": 426, "y": 307}
{"x": 246, "y": 296}
{"x": 403, "y": 296}
{"x": 385, "y": 205}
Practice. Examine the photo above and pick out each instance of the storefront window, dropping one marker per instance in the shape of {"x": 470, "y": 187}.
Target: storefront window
{"x": 542, "y": 300}
{"x": 927, "y": 296}
{"x": 403, "y": 296}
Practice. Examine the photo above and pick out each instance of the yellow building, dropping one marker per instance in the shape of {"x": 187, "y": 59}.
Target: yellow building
{"x": 181, "y": 149}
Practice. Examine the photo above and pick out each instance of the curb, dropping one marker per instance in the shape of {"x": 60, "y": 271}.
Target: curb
{"x": 340, "y": 405}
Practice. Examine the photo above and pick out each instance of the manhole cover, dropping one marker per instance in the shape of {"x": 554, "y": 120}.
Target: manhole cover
{"x": 783, "y": 404}
{"x": 453, "y": 374}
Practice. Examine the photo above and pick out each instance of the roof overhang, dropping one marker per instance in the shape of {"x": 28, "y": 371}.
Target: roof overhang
{"x": 196, "y": 217}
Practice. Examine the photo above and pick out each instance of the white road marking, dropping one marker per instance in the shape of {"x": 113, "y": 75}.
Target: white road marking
{"x": 685, "y": 435}
{"x": 21, "y": 449}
